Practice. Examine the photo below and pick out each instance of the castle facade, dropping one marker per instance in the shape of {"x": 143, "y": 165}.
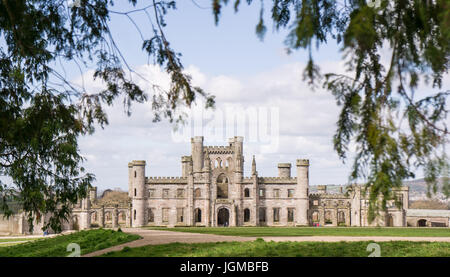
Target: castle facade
{"x": 213, "y": 191}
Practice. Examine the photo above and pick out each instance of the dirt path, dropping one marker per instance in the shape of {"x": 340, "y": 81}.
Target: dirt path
{"x": 161, "y": 237}
{"x": 363, "y": 238}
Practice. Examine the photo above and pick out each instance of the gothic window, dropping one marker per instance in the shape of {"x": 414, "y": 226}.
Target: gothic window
{"x": 108, "y": 216}
{"x": 341, "y": 217}
{"x": 290, "y": 193}
{"x": 276, "y": 193}
{"x": 165, "y": 215}
{"x": 276, "y": 214}
{"x": 315, "y": 216}
{"x": 122, "y": 216}
{"x": 246, "y": 215}
{"x": 198, "y": 193}
{"x": 198, "y": 215}
{"x": 222, "y": 186}
{"x": 180, "y": 193}
{"x": 262, "y": 193}
{"x": 165, "y": 193}
{"x": 151, "y": 215}
{"x": 180, "y": 215}
{"x": 246, "y": 192}
{"x": 262, "y": 214}
{"x": 328, "y": 219}
{"x": 218, "y": 163}
{"x": 290, "y": 215}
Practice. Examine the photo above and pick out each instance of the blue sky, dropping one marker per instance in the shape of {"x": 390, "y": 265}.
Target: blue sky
{"x": 230, "y": 62}
{"x": 230, "y": 48}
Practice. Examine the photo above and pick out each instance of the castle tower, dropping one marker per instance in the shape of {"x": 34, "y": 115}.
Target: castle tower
{"x": 207, "y": 167}
{"x": 85, "y": 215}
{"x": 197, "y": 155}
{"x": 93, "y": 194}
{"x": 302, "y": 192}
{"x": 138, "y": 193}
{"x": 186, "y": 166}
{"x": 130, "y": 179}
{"x": 238, "y": 147}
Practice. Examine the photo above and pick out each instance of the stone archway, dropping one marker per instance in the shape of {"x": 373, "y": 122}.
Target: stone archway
{"x": 422, "y": 223}
{"x": 223, "y": 217}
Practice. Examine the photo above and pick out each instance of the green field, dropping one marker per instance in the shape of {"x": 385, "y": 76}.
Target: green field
{"x": 260, "y": 248}
{"x": 14, "y": 241}
{"x": 313, "y": 231}
{"x": 17, "y": 239}
{"x": 89, "y": 241}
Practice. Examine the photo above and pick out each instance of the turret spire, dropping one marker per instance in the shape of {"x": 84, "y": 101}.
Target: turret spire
{"x": 254, "y": 166}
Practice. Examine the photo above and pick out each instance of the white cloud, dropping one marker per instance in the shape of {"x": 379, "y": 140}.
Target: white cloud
{"x": 306, "y": 125}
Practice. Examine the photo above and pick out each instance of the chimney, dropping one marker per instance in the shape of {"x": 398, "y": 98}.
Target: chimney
{"x": 284, "y": 170}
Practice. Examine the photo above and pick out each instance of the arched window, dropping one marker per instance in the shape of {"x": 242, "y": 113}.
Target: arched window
{"x": 94, "y": 217}
{"x": 328, "y": 219}
{"x": 262, "y": 214}
{"x": 315, "y": 216}
{"x": 247, "y": 192}
{"x": 218, "y": 163}
{"x": 198, "y": 193}
{"x": 151, "y": 215}
{"x": 341, "y": 217}
{"x": 198, "y": 215}
{"x": 222, "y": 186}
{"x": 122, "y": 216}
{"x": 246, "y": 215}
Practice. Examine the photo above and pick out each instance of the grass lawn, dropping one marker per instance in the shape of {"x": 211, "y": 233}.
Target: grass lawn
{"x": 17, "y": 239}
{"x": 260, "y": 248}
{"x": 89, "y": 241}
{"x": 313, "y": 231}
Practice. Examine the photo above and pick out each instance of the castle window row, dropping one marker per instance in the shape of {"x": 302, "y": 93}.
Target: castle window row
{"x": 276, "y": 193}
{"x": 166, "y": 193}
{"x": 276, "y": 215}
{"x": 180, "y": 193}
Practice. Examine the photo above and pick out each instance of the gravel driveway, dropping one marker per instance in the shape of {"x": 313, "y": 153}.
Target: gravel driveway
{"x": 162, "y": 237}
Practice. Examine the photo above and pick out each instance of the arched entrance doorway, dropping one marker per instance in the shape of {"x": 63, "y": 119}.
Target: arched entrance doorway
{"x": 223, "y": 217}
{"x": 422, "y": 223}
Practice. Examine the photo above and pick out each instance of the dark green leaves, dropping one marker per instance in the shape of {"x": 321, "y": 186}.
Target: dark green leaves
{"x": 42, "y": 114}
{"x": 393, "y": 128}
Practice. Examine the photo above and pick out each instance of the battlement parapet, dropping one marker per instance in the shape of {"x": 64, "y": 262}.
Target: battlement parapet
{"x": 316, "y": 195}
{"x": 219, "y": 150}
{"x": 302, "y": 162}
{"x": 277, "y": 180}
{"x": 171, "y": 180}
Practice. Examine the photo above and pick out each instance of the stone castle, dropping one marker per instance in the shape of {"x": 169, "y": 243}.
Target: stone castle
{"x": 213, "y": 191}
